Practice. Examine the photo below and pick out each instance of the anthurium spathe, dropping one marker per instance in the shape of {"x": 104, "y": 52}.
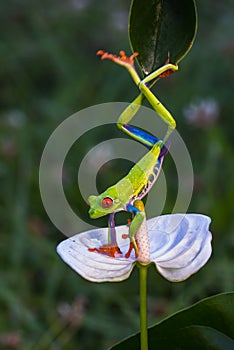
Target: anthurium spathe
{"x": 179, "y": 245}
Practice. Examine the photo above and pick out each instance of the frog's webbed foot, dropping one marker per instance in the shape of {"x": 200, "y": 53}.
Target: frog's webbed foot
{"x": 132, "y": 246}
{"x": 111, "y": 250}
{"x": 122, "y": 59}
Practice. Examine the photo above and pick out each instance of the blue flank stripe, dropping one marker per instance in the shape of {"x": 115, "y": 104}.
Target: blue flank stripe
{"x": 145, "y": 138}
{"x": 142, "y": 135}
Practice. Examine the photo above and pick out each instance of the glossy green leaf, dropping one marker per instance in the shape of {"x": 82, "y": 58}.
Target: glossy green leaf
{"x": 158, "y": 28}
{"x": 207, "y": 325}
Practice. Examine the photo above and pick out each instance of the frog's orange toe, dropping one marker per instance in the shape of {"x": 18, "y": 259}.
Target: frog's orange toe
{"x": 111, "y": 250}
{"x": 131, "y": 247}
{"x": 121, "y": 59}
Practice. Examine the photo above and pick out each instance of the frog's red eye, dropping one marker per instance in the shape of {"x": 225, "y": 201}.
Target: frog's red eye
{"x": 107, "y": 202}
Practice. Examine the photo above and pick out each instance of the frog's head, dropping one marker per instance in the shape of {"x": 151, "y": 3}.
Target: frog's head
{"x": 104, "y": 204}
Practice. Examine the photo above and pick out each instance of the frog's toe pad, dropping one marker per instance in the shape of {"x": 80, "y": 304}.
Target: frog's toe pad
{"x": 111, "y": 250}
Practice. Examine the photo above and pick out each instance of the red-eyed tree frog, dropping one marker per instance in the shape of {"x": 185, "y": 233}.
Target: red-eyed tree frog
{"x": 137, "y": 183}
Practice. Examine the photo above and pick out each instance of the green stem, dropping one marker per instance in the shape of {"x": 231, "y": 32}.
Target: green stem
{"x": 143, "y": 306}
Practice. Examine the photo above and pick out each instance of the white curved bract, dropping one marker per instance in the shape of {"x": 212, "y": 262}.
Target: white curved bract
{"x": 180, "y": 244}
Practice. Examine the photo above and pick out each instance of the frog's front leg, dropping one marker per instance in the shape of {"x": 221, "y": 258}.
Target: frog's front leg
{"x": 111, "y": 249}
{"x": 138, "y": 218}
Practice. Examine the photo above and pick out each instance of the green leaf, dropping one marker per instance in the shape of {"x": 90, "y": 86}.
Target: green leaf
{"x": 207, "y": 325}
{"x": 202, "y": 338}
{"x": 159, "y": 27}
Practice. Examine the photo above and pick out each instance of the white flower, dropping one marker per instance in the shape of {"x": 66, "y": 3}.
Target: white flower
{"x": 180, "y": 244}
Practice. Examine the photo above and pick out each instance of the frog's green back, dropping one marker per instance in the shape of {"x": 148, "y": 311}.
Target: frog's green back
{"x": 139, "y": 176}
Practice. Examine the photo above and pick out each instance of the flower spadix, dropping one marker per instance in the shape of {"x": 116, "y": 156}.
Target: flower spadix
{"x": 179, "y": 245}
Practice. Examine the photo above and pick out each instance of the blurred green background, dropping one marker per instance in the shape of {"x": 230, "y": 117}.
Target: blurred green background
{"x": 48, "y": 70}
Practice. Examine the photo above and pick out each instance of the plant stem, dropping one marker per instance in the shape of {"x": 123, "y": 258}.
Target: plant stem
{"x": 143, "y": 305}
